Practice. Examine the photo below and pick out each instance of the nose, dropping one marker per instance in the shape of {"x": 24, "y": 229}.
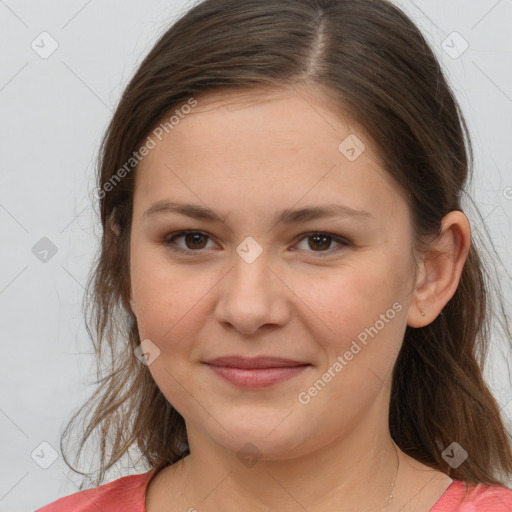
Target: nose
{"x": 252, "y": 295}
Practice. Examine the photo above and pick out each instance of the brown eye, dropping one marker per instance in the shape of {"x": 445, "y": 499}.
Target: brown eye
{"x": 194, "y": 241}
{"x": 321, "y": 243}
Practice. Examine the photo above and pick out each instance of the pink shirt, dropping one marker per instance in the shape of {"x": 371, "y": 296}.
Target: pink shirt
{"x": 127, "y": 494}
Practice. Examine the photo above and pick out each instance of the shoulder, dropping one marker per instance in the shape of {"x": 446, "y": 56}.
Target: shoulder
{"x": 123, "y": 494}
{"x": 489, "y": 498}
{"x": 465, "y": 497}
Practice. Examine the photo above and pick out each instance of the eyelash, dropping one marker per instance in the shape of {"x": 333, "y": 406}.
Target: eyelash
{"x": 169, "y": 241}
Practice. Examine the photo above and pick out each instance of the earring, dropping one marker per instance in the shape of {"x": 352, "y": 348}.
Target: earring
{"x": 421, "y": 313}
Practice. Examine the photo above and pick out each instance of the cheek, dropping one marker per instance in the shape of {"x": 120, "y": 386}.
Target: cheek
{"x": 346, "y": 300}
{"x": 170, "y": 313}
{"x": 359, "y": 321}
{"x": 168, "y": 297}
{"x": 366, "y": 319}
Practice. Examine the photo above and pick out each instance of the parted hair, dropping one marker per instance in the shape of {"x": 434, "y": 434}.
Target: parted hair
{"x": 374, "y": 64}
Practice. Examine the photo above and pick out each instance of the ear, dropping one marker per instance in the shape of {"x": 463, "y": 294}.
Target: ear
{"x": 113, "y": 226}
{"x": 132, "y": 304}
{"x": 440, "y": 270}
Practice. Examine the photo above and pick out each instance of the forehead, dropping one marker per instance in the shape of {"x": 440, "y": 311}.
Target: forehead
{"x": 267, "y": 141}
{"x": 275, "y": 110}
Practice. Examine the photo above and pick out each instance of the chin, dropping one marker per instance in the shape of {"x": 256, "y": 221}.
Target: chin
{"x": 270, "y": 434}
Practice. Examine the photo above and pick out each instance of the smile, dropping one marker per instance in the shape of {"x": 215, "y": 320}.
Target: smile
{"x": 259, "y": 372}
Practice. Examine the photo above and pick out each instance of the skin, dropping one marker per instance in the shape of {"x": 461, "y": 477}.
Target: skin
{"x": 247, "y": 157}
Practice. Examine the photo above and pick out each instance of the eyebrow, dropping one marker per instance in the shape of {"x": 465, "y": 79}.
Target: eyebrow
{"x": 287, "y": 216}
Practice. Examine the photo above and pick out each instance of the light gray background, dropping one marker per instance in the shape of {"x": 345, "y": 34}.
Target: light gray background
{"x": 53, "y": 113}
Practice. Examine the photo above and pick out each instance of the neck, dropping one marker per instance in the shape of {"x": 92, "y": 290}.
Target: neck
{"x": 353, "y": 473}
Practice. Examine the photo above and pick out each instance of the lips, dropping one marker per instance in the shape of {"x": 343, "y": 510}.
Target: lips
{"x": 259, "y": 372}
{"x": 257, "y": 362}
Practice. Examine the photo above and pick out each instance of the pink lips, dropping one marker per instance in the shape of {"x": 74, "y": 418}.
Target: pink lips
{"x": 256, "y": 372}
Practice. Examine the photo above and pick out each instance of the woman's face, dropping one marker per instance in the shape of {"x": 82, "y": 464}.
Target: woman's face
{"x": 328, "y": 293}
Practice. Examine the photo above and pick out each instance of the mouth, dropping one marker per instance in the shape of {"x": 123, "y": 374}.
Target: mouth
{"x": 259, "y": 372}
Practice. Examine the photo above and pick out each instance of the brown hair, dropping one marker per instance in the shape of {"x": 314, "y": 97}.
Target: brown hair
{"x": 376, "y": 66}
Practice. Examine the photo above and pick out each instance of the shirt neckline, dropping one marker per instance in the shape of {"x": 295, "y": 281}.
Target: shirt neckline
{"x": 149, "y": 476}
{"x": 435, "y": 508}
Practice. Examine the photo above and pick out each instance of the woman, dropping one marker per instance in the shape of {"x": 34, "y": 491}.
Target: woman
{"x": 287, "y": 284}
